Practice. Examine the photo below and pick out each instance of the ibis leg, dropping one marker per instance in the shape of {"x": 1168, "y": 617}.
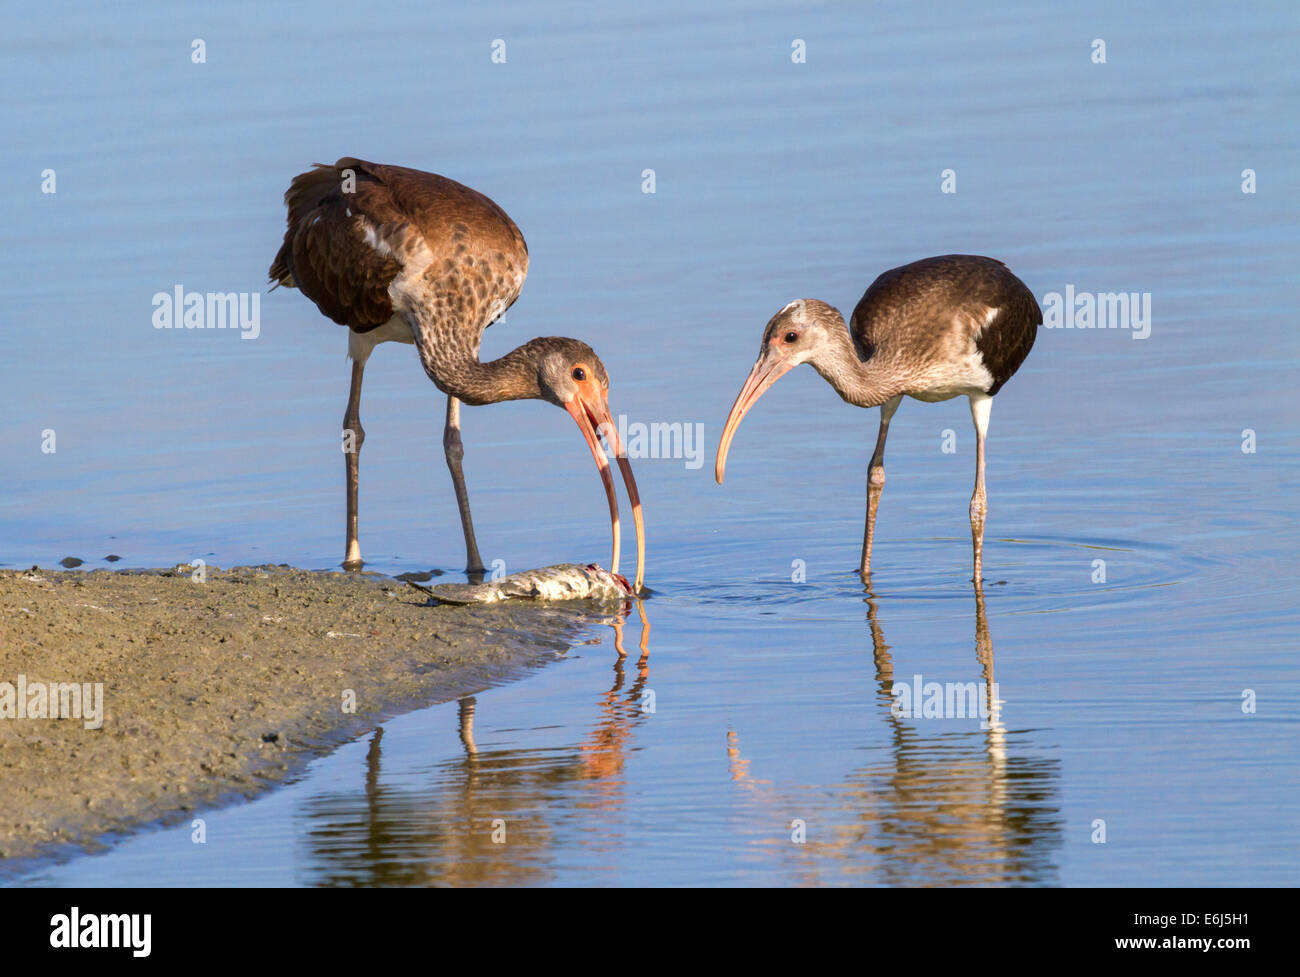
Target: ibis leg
{"x": 876, "y": 481}
{"x": 455, "y": 450}
{"x": 980, "y": 406}
{"x": 353, "y": 437}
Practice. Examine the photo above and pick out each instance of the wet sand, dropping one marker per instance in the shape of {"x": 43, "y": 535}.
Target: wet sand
{"x": 219, "y": 689}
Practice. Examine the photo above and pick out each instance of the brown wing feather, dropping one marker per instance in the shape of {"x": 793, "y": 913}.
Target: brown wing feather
{"x": 329, "y": 252}
{"x": 914, "y": 306}
{"x": 435, "y": 205}
{"x": 325, "y": 253}
{"x": 1006, "y": 343}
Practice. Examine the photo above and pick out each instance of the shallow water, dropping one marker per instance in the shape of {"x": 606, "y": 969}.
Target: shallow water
{"x": 1118, "y": 700}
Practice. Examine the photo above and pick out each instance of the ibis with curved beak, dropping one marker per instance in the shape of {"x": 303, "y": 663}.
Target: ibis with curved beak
{"x": 951, "y": 326}
{"x": 401, "y": 255}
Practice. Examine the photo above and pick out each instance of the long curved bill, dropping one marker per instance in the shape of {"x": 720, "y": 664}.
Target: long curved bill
{"x": 594, "y": 420}
{"x": 765, "y": 373}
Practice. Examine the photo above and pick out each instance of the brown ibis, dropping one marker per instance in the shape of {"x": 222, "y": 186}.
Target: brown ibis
{"x": 938, "y": 328}
{"x": 400, "y": 255}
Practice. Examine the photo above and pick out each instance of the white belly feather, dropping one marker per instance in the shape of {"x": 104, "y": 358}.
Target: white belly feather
{"x": 362, "y": 344}
{"x": 961, "y": 377}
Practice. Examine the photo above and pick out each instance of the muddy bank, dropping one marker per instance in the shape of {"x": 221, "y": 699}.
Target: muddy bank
{"x": 216, "y": 689}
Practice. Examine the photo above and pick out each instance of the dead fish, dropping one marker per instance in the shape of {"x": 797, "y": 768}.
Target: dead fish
{"x": 564, "y": 581}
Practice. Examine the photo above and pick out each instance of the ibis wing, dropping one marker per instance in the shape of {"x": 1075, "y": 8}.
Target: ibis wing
{"x": 473, "y": 245}
{"x": 329, "y": 251}
{"x": 1005, "y": 344}
{"x": 353, "y": 225}
{"x": 917, "y": 307}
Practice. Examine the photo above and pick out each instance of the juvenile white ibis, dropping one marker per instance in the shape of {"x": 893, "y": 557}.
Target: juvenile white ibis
{"x": 956, "y": 325}
{"x": 400, "y": 255}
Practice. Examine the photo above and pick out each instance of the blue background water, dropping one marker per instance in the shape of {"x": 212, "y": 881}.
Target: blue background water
{"x": 774, "y": 180}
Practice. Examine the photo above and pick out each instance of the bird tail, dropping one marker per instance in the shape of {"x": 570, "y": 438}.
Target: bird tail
{"x": 280, "y": 273}
{"x": 303, "y": 196}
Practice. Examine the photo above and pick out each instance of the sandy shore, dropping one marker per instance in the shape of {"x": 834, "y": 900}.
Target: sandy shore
{"x": 219, "y": 689}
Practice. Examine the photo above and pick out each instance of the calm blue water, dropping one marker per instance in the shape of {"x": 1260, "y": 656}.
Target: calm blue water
{"x": 1121, "y": 701}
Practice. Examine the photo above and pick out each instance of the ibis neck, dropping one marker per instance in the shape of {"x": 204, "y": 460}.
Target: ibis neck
{"x": 450, "y": 359}
{"x": 861, "y": 384}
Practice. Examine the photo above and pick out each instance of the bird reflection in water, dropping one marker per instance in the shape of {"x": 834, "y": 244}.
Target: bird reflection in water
{"x": 950, "y": 805}
{"x": 447, "y": 830}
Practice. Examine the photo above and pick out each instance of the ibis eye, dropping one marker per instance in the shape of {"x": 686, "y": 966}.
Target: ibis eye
{"x": 579, "y": 374}
{"x": 791, "y": 337}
